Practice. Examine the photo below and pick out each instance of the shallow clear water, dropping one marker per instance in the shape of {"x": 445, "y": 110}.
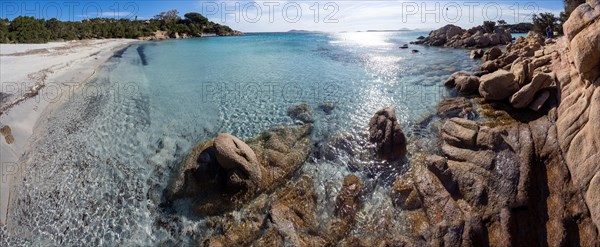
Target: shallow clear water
{"x": 96, "y": 172}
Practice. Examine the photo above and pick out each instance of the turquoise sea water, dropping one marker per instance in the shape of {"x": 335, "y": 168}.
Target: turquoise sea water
{"x": 96, "y": 173}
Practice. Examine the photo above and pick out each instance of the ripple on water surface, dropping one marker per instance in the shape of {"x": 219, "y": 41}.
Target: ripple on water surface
{"x": 96, "y": 175}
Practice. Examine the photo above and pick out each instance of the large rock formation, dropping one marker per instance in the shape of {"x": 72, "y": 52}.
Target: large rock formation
{"x": 386, "y": 133}
{"x": 498, "y": 186}
{"x": 225, "y": 173}
{"x": 578, "y": 123}
{"x": 454, "y": 36}
{"x": 498, "y": 85}
{"x": 288, "y": 218}
{"x": 522, "y": 75}
{"x": 556, "y": 157}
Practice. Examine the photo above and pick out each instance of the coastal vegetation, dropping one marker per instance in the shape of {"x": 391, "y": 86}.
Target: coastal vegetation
{"x": 27, "y": 29}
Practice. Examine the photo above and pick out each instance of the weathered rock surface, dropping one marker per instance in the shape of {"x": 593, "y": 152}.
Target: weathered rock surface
{"x": 454, "y": 36}
{"x": 301, "y": 112}
{"x": 451, "y": 81}
{"x": 539, "y": 101}
{"x": 527, "y": 184}
{"x": 525, "y": 95}
{"x": 386, "y": 133}
{"x": 405, "y": 195}
{"x": 456, "y": 107}
{"x": 233, "y": 154}
{"x": 225, "y": 173}
{"x": 478, "y": 53}
{"x": 289, "y": 220}
{"x": 492, "y": 54}
{"x": 578, "y": 118}
{"x": 520, "y": 68}
{"x": 467, "y": 84}
{"x": 498, "y": 85}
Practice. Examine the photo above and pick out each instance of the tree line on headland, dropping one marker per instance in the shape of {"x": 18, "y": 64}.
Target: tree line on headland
{"x": 27, "y": 29}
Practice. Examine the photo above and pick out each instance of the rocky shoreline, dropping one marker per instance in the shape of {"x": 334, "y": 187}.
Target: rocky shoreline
{"x": 163, "y": 35}
{"x": 456, "y": 37}
{"x": 517, "y": 162}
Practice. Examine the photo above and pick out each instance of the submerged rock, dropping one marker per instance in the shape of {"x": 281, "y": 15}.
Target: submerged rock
{"x": 456, "y": 107}
{"x": 327, "y": 107}
{"x": 7, "y": 133}
{"x": 287, "y": 216}
{"x": 348, "y": 203}
{"x": 301, "y": 112}
{"x": 386, "y": 133}
{"x": 405, "y": 195}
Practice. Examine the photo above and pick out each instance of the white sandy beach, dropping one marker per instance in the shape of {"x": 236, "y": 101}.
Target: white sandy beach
{"x": 32, "y": 78}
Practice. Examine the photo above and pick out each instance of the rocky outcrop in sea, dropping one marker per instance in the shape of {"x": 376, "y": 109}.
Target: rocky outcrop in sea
{"x": 477, "y": 37}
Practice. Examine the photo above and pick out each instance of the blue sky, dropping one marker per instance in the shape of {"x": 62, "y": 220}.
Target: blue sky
{"x": 271, "y": 15}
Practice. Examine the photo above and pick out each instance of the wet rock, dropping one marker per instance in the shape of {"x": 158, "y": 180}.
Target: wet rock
{"x": 342, "y": 142}
{"x": 10, "y": 139}
{"x": 7, "y": 133}
{"x": 405, "y": 46}
{"x": 498, "y": 85}
{"x": 233, "y": 154}
{"x": 5, "y": 130}
{"x": 456, "y": 107}
{"x": 386, "y": 133}
{"x": 327, "y": 107}
{"x": 524, "y": 96}
{"x": 478, "y": 53}
{"x": 214, "y": 187}
{"x": 301, "y": 112}
{"x": 348, "y": 200}
{"x": 405, "y": 195}
{"x": 467, "y": 84}
{"x": 287, "y": 217}
{"x": 294, "y": 214}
